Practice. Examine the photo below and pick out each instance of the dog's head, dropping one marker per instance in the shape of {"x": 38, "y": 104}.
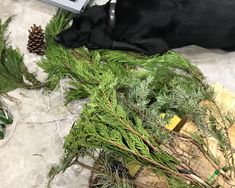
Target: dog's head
{"x": 79, "y": 33}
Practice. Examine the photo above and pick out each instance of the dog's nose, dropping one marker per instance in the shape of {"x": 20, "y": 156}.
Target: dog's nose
{"x": 57, "y": 39}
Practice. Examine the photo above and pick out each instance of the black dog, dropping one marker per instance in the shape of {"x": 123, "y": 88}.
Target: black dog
{"x": 154, "y": 26}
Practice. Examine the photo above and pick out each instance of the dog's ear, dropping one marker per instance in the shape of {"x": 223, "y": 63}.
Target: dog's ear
{"x": 95, "y": 14}
{"x": 86, "y": 26}
{"x": 90, "y": 19}
{"x": 82, "y": 23}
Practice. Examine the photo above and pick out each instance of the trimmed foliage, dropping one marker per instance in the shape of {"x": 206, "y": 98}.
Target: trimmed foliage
{"x": 128, "y": 92}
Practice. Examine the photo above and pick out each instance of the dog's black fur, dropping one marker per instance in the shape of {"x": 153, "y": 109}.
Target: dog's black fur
{"x": 154, "y": 26}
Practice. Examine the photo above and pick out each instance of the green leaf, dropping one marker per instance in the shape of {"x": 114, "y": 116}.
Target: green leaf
{"x": 5, "y": 118}
{"x": 1, "y": 132}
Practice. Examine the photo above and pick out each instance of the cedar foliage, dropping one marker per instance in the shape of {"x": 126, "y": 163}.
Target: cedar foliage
{"x": 127, "y": 93}
{"x": 13, "y": 73}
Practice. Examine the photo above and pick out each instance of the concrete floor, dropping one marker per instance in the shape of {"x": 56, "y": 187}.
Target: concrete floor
{"x": 34, "y": 142}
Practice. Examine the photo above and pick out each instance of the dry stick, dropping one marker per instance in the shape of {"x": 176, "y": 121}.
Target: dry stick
{"x": 167, "y": 170}
{"x": 33, "y": 87}
{"x": 83, "y": 165}
{"x": 97, "y": 171}
{"x": 205, "y": 154}
{"x": 140, "y": 156}
{"x": 154, "y": 163}
{"x": 183, "y": 165}
{"x": 181, "y": 135}
{"x": 146, "y": 159}
{"x": 232, "y": 185}
{"x": 11, "y": 98}
{"x": 186, "y": 165}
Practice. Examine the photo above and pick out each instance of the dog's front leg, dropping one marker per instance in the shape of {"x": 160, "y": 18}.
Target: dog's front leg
{"x": 147, "y": 46}
{"x": 117, "y": 45}
{"x": 92, "y": 46}
{"x": 152, "y": 46}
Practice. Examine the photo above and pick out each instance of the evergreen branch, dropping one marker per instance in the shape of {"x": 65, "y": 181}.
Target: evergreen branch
{"x": 3, "y": 28}
{"x": 12, "y": 68}
{"x": 58, "y": 23}
{"x": 13, "y": 73}
{"x": 128, "y": 92}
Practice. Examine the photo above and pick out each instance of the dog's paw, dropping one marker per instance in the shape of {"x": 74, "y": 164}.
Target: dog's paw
{"x": 91, "y": 46}
{"x": 153, "y": 46}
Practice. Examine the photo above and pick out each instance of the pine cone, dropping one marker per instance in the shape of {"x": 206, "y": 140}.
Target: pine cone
{"x": 36, "y": 43}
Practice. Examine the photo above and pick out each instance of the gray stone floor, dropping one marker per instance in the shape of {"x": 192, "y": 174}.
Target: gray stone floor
{"x": 34, "y": 142}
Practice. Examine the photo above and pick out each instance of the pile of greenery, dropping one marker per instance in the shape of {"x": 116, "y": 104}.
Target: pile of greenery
{"x": 13, "y": 73}
{"x": 127, "y": 94}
